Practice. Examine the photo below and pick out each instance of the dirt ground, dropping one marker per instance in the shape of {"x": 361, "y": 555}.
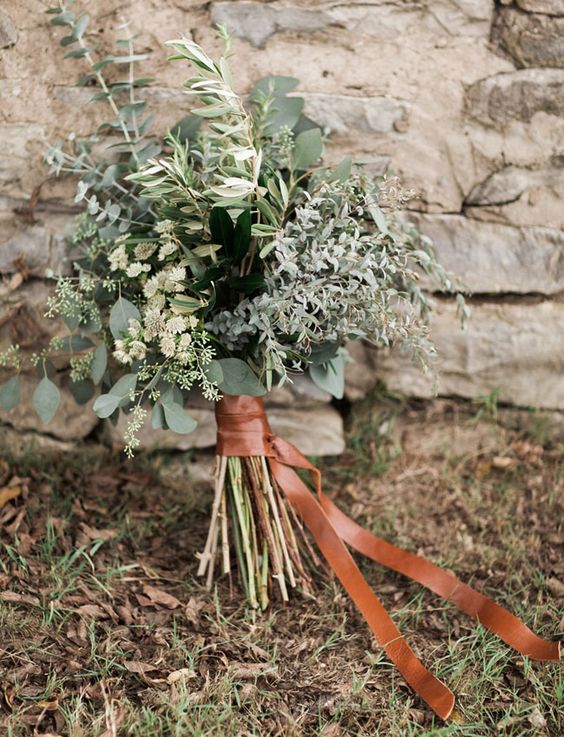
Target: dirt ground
{"x": 106, "y": 632}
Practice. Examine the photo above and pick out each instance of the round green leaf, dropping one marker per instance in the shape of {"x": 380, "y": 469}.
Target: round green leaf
{"x": 330, "y": 376}
{"x": 121, "y": 313}
{"x": 46, "y": 398}
{"x": 105, "y": 405}
{"x": 178, "y": 419}
{"x": 10, "y": 393}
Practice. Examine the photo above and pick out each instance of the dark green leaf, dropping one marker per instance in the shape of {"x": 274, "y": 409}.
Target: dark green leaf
{"x": 324, "y": 352}
{"x": 157, "y": 416}
{"x": 76, "y": 343}
{"x": 305, "y": 124}
{"x": 284, "y": 112}
{"x": 222, "y": 230}
{"x": 63, "y": 19}
{"x": 268, "y": 212}
{"x": 242, "y": 236}
{"x": 76, "y": 54}
{"x": 113, "y": 173}
{"x": 86, "y": 79}
{"x": 82, "y": 391}
{"x": 248, "y": 284}
{"x": 46, "y": 398}
{"x": 45, "y": 368}
{"x": 123, "y": 387}
{"x": 343, "y": 170}
{"x": 208, "y": 277}
{"x": 10, "y": 393}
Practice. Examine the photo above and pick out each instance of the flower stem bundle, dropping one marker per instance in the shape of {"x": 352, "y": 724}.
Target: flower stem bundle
{"x": 251, "y": 517}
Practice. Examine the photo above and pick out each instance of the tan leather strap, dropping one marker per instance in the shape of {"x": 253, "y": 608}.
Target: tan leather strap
{"x": 243, "y": 430}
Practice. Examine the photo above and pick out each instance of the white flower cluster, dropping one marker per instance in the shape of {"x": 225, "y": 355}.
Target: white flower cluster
{"x": 166, "y": 335}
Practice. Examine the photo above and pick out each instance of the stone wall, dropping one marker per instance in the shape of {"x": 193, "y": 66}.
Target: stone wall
{"x": 464, "y": 98}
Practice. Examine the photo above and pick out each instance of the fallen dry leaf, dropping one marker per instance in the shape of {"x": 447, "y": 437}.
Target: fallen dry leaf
{"x": 92, "y": 610}
{"x": 556, "y": 587}
{"x": 87, "y": 534}
{"x": 193, "y": 608}
{"x": 49, "y": 704}
{"x": 179, "y": 675}
{"x": 13, "y": 597}
{"x": 331, "y": 730}
{"x": 136, "y": 666}
{"x": 157, "y": 596}
{"x": 503, "y": 462}
{"x": 253, "y": 670}
{"x": 9, "y": 693}
{"x": 7, "y": 493}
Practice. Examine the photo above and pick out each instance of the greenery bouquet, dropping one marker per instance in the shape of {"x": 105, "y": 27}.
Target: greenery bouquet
{"x": 222, "y": 261}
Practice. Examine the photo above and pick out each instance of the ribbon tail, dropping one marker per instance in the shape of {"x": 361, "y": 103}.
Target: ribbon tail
{"x": 329, "y": 541}
{"x": 507, "y": 626}
{"x": 491, "y": 615}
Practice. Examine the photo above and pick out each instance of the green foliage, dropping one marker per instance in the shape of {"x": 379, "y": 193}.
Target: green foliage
{"x": 330, "y": 376}
{"x": 121, "y": 313}
{"x": 234, "y": 376}
{"x": 46, "y": 398}
{"x": 224, "y": 256}
{"x": 10, "y": 393}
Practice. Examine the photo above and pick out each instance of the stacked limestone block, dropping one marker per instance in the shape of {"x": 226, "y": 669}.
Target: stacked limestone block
{"x": 463, "y": 98}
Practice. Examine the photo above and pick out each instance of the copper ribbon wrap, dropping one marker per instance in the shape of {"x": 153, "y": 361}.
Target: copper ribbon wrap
{"x": 243, "y": 430}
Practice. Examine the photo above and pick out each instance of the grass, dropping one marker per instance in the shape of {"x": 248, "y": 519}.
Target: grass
{"x": 106, "y": 632}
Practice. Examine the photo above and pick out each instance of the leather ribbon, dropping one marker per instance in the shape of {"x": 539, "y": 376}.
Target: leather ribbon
{"x": 243, "y": 430}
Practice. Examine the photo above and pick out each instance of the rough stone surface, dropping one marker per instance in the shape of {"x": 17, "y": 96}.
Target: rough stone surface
{"x": 423, "y": 87}
{"x": 492, "y": 259}
{"x": 8, "y": 31}
{"x": 33, "y": 246}
{"x": 531, "y": 39}
{"x": 518, "y": 95}
{"x": 470, "y": 18}
{"x": 550, "y": 7}
{"x": 18, "y": 444}
{"x": 520, "y": 196}
{"x": 255, "y": 22}
{"x": 360, "y": 373}
{"x": 22, "y": 319}
{"x": 513, "y": 347}
{"x": 345, "y": 113}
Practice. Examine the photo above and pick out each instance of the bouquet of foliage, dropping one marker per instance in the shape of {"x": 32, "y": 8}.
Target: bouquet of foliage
{"x": 225, "y": 260}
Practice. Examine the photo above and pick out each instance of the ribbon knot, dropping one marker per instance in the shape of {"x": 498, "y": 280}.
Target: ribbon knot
{"x": 243, "y": 430}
